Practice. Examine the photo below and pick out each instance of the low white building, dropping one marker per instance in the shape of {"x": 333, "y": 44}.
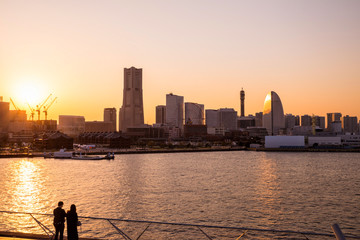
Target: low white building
{"x": 284, "y": 141}
{"x": 351, "y": 140}
{"x": 324, "y": 141}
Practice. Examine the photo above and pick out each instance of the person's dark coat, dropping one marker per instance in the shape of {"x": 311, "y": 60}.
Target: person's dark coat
{"x": 59, "y": 215}
{"x": 72, "y": 222}
{"x": 59, "y": 222}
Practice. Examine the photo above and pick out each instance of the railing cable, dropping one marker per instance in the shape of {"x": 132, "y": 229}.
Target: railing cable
{"x": 119, "y": 230}
{"x": 44, "y": 228}
{"x": 205, "y": 233}
{"x": 143, "y": 232}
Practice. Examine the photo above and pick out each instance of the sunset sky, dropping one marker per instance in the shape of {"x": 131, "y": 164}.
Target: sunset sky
{"x": 205, "y": 50}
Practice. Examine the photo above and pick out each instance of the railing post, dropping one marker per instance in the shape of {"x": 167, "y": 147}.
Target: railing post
{"x": 338, "y": 233}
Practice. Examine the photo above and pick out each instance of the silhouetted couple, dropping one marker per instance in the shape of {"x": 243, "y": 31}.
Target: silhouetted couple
{"x": 71, "y": 222}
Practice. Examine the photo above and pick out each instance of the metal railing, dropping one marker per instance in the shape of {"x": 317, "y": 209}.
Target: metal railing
{"x": 201, "y": 227}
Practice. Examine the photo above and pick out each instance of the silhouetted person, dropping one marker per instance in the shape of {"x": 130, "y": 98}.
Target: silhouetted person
{"x": 72, "y": 223}
{"x": 59, "y": 220}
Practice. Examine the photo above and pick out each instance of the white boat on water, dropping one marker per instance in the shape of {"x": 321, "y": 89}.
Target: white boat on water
{"x": 63, "y": 154}
{"x": 71, "y": 155}
{"x": 87, "y": 157}
{"x": 60, "y": 154}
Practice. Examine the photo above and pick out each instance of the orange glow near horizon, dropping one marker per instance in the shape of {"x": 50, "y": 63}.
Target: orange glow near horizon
{"x": 28, "y": 90}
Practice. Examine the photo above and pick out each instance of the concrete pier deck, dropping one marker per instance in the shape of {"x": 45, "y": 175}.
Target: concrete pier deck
{"x": 29, "y": 236}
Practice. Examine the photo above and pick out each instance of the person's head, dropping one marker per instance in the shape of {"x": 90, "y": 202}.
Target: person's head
{"x": 60, "y": 204}
{"x": 73, "y": 208}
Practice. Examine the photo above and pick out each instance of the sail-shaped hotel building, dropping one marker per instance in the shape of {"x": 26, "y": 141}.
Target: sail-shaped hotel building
{"x": 273, "y": 114}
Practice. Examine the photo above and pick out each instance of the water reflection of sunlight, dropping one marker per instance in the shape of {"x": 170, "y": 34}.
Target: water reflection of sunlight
{"x": 269, "y": 189}
{"x": 26, "y": 185}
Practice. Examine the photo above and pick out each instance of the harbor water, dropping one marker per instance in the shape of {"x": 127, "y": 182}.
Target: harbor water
{"x": 272, "y": 190}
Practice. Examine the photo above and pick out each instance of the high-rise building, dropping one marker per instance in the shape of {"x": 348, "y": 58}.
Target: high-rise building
{"x": 4, "y": 115}
{"x": 71, "y": 125}
{"x": 273, "y": 114}
{"x": 175, "y": 110}
{"x": 132, "y": 113}
{"x": 98, "y": 126}
{"x": 306, "y": 120}
{"x": 242, "y": 100}
{"x": 245, "y": 122}
{"x": 161, "y": 114}
{"x": 228, "y": 118}
{"x": 194, "y": 113}
{"x": 319, "y": 121}
{"x": 110, "y": 116}
{"x": 290, "y": 121}
{"x": 333, "y": 117}
{"x": 212, "y": 118}
{"x": 258, "y": 119}
{"x": 350, "y": 124}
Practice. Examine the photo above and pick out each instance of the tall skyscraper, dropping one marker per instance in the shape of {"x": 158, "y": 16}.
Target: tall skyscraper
{"x": 110, "y": 116}
{"x": 242, "y": 99}
{"x": 175, "y": 110}
{"x": 273, "y": 114}
{"x": 306, "y": 120}
{"x": 161, "y": 114}
{"x": 320, "y": 121}
{"x": 350, "y": 124}
{"x": 4, "y": 115}
{"x": 333, "y": 117}
{"x": 258, "y": 119}
{"x": 194, "y": 113}
{"x": 290, "y": 121}
{"x": 212, "y": 118}
{"x": 228, "y": 118}
{"x": 132, "y": 113}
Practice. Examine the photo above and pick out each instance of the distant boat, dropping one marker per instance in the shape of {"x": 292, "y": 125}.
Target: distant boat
{"x": 71, "y": 155}
{"x": 60, "y": 154}
{"x": 87, "y": 157}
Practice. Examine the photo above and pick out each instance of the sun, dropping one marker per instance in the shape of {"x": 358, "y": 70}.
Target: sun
{"x": 29, "y": 91}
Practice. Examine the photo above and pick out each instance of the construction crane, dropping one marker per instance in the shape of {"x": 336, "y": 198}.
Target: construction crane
{"x": 16, "y": 108}
{"x": 32, "y": 112}
{"x": 38, "y": 107}
{"x": 46, "y": 108}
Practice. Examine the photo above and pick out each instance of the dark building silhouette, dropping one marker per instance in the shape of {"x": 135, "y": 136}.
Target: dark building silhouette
{"x": 306, "y": 120}
{"x": 98, "y": 126}
{"x": 4, "y": 115}
{"x": 194, "y": 113}
{"x": 132, "y": 113}
{"x": 242, "y": 99}
{"x": 333, "y": 117}
{"x": 54, "y": 141}
{"x": 161, "y": 114}
{"x": 195, "y": 131}
{"x": 350, "y": 124}
{"x": 245, "y": 122}
{"x": 110, "y": 116}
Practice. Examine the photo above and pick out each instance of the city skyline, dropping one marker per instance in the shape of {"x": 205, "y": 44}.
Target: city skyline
{"x": 306, "y": 52}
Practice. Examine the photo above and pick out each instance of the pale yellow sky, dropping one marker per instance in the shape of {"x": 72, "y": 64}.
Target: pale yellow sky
{"x": 306, "y": 51}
